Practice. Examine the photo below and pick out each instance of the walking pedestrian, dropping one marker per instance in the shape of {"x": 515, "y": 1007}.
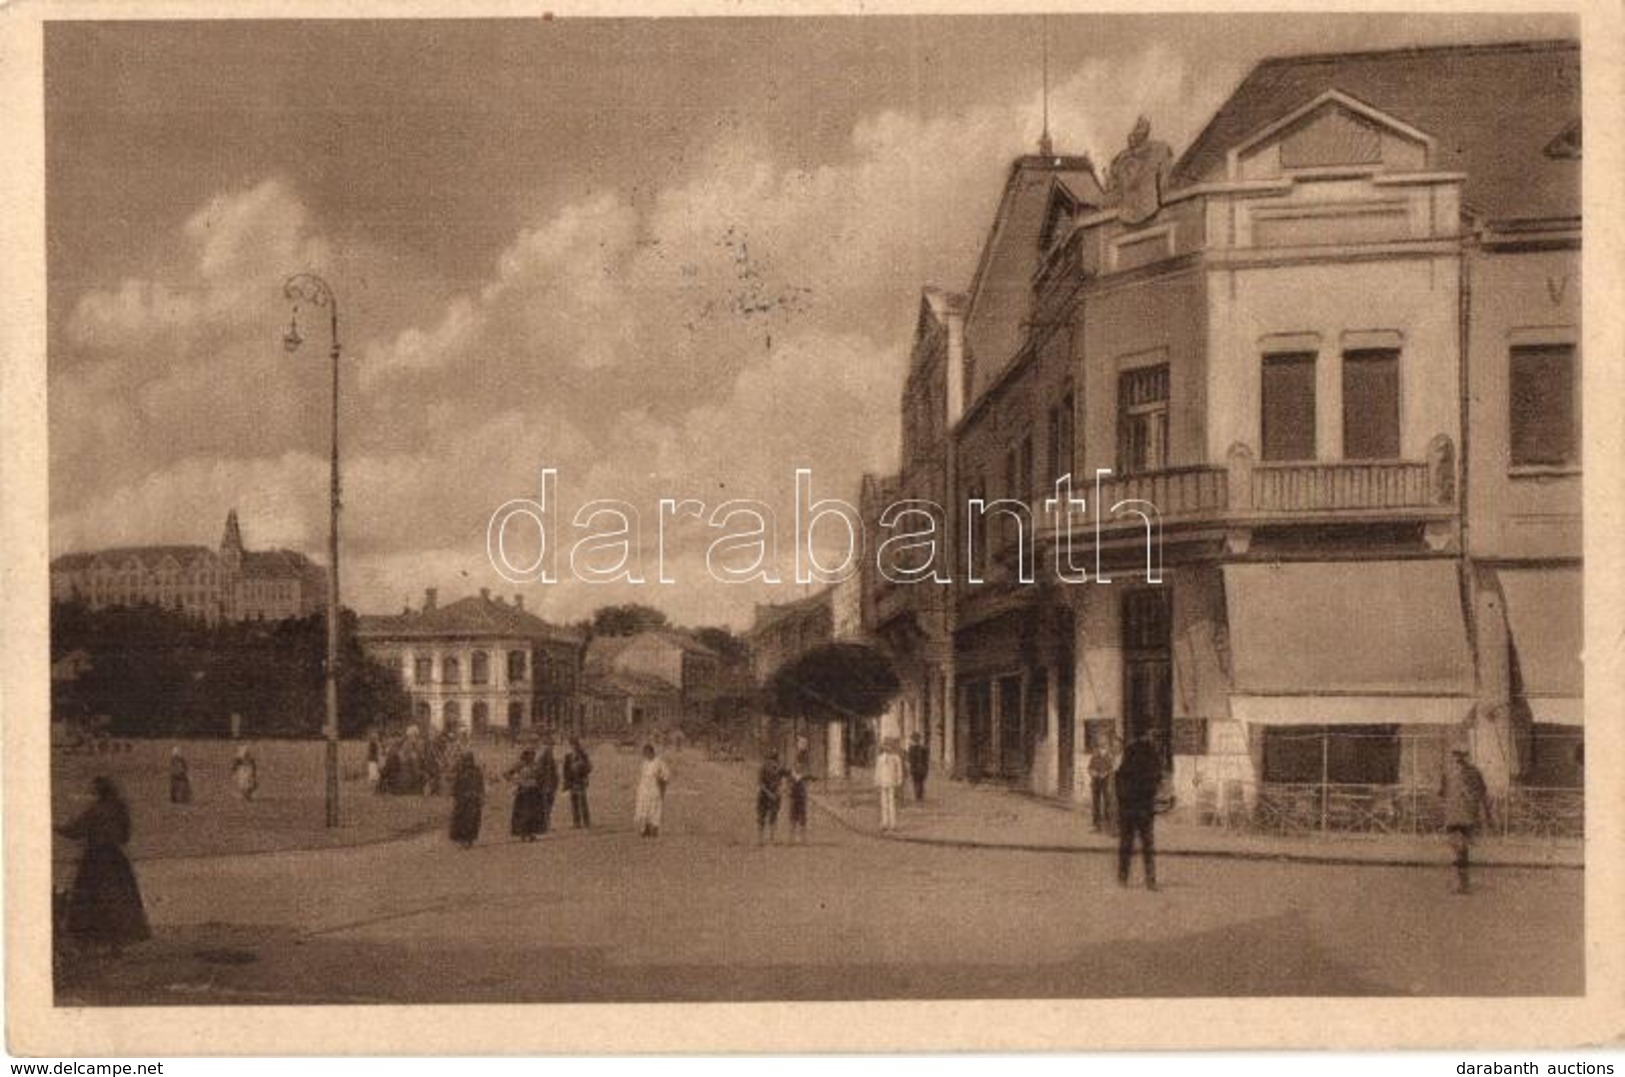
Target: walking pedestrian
{"x": 577, "y": 769}
{"x": 919, "y": 765}
{"x": 889, "y": 779}
{"x": 769, "y": 780}
{"x": 797, "y": 784}
{"x": 467, "y": 800}
{"x": 1466, "y": 808}
{"x": 648, "y": 812}
{"x": 527, "y": 797}
{"x": 1138, "y": 776}
{"x": 374, "y": 761}
{"x": 1102, "y": 764}
{"x": 547, "y": 773}
{"x": 104, "y": 908}
{"x": 245, "y": 772}
{"x": 180, "y": 778}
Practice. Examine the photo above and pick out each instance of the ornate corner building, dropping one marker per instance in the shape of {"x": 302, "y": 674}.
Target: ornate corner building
{"x": 1316, "y": 380}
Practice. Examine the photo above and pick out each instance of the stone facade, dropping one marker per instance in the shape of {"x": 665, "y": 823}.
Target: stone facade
{"x": 228, "y": 584}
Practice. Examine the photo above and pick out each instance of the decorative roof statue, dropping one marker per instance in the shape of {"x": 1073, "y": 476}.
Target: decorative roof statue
{"x": 1138, "y": 174}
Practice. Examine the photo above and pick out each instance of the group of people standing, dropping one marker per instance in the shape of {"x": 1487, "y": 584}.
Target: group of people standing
{"x": 890, "y": 769}
{"x": 536, "y": 779}
{"x": 245, "y": 774}
{"x": 773, "y": 784}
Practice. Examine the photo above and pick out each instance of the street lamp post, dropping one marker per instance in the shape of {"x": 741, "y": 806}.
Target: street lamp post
{"x": 311, "y": 289}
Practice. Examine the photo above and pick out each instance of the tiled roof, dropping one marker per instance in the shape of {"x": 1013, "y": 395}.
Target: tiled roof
{"x": 467, "y": 617}
{"x": 1493, "y": 110}
{"x": 767, "y": 615}
{"x": 1000, "y": 297}
{"x": 148, "y": 556}
{"x": 277, "y": 564}
{"x": 603, "y": 650}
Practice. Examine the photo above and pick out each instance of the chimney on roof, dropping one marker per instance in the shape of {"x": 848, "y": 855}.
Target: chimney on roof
{"x": 518, "y": 600}
{"x": 430, "y": 596}
{"x": 485, "y": 594}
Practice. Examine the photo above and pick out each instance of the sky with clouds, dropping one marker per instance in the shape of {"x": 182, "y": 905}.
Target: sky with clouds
{"x": 670, "y": 258}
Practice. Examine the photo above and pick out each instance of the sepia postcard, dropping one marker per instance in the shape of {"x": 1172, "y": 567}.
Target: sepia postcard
{"x": 855, "y": 527}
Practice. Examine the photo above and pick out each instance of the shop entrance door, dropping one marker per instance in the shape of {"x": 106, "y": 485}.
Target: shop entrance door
{"x": 1148, "y": 667}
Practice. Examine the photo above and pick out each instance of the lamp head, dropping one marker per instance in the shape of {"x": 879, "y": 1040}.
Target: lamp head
{"x": 291, "y": 339}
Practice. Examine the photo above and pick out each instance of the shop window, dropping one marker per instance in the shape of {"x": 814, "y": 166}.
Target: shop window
{"x": 1545, "y": 418}
{"x": 1287, "y": 407}
{"x": 1371, "y": 404}
{"x": 1338, "y": 755}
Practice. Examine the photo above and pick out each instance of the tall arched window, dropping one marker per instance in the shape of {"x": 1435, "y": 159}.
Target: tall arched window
{"x": 421, "y": 711}
{"x": 479, "y": 667}
{"x": 516, "y": 667}
{"x": 516, "y": 715}
{"x": 451, "y": 671}
{"x": 453, "y": 716}
{"x": 481, "y": 716}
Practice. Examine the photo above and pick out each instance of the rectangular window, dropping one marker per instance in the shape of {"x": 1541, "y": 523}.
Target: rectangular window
{"x": 425, "y": 671}
{"x": 1008, "y": 532}
{"x": 1371, "y": 404}
{"x": 1287, "y": 407}
{"x": 1059, "y": 455}
{"x": 1028, "y": 479}
{"x": 1545, "y": 416}
{"x": 1142, "y": 420}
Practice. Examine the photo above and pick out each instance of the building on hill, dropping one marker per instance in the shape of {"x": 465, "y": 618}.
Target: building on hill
{"x": 231, "y": 583}
{"x": 481, "y": 664}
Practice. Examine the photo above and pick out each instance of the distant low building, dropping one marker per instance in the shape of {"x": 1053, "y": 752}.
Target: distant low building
{"x": 228, "y": 584}
{"x": 648, "y": 680}
{"x": 481, "y": 664}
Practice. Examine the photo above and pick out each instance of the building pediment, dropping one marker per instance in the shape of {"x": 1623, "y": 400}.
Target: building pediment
{"x": 1332, "y": 132}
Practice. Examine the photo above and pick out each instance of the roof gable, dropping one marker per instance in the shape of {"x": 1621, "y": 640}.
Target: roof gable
{"x": 1490, "y": 109}
{"x": 1332, "y": 131}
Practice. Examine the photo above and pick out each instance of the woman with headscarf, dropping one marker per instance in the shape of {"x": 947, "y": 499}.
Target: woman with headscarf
{"x": 467, "y": 800}
{"x": 649, "y": 810}
{"x": 180, "y": 778}
{"x": 528, "y": 806}
{"x": 105, "y": 907}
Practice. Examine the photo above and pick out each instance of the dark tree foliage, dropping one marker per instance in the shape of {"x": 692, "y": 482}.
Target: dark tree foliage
{"x": 733, "y": 651}
{"x": 627, "y": 620}
{"x": 833, "y": 683}
{"x": 159, "y": 673}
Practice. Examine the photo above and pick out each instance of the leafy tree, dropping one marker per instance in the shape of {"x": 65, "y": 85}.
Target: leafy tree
{"x": 833, "y": 683}
{"x": 626, "y": 620}
{"x": 157, "y": 672}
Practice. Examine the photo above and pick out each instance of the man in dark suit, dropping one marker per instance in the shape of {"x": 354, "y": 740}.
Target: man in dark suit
{"x": 1138, "y": 776}
{"x": 919, "y": 765}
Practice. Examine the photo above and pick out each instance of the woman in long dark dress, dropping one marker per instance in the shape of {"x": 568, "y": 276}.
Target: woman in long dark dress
{"x": 528, "y": 805}
{"x": 105, "y": 907}
{"x": 547, "y": 775}
{"x": 180, "y": 778}
{"x": 467, "y": 800}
